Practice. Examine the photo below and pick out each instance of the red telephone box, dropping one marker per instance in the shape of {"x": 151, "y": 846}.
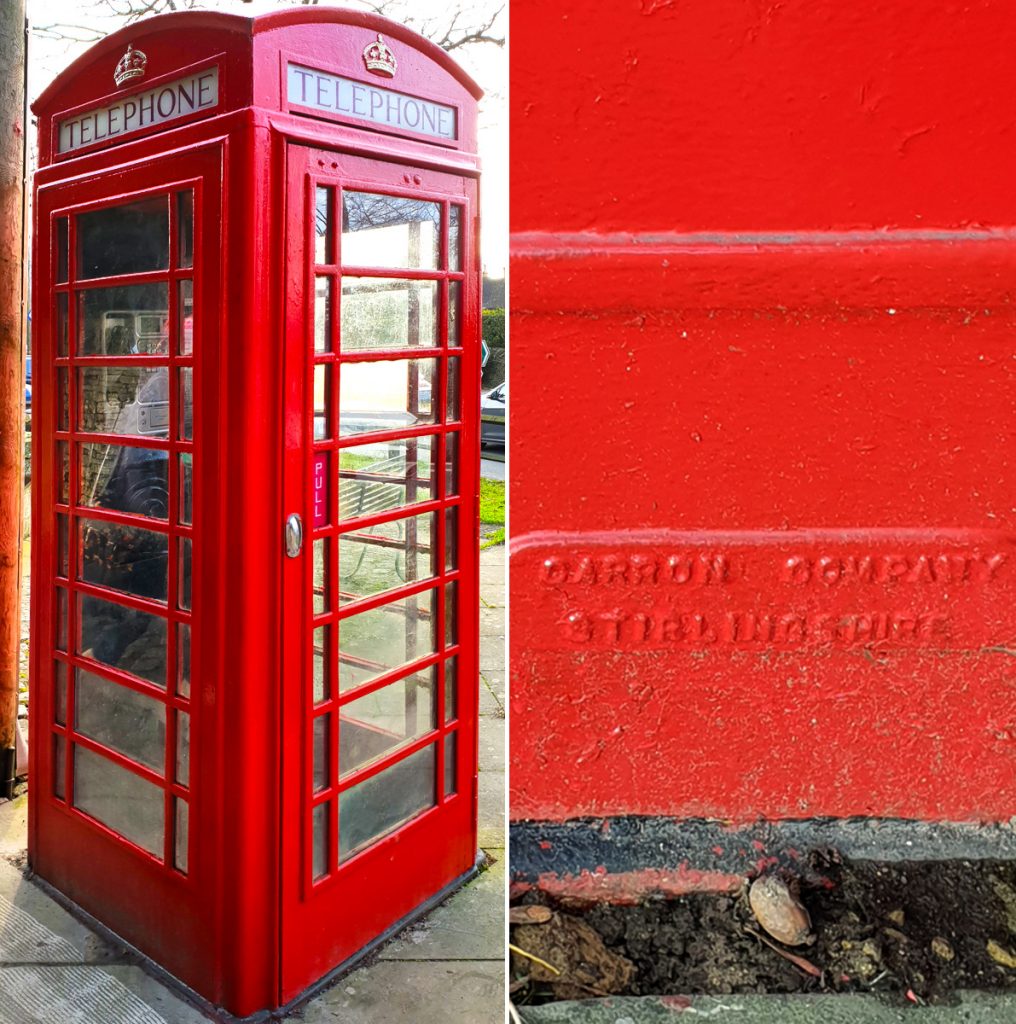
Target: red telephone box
{"x": 255, "y": 607}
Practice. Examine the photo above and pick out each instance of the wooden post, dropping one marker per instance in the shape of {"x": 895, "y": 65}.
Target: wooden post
{"x": 12, "y": 368}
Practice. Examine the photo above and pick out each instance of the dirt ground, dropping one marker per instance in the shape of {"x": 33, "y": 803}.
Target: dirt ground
{"x": 917, "y": 931}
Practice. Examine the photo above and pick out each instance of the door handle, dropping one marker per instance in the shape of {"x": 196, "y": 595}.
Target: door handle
{"x": 294, "y": 535}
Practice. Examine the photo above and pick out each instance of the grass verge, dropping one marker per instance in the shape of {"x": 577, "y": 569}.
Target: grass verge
{"x": 492, "y": 498}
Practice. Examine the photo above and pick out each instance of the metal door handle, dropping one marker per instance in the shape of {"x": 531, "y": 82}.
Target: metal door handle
{"x": 294, "y": 535}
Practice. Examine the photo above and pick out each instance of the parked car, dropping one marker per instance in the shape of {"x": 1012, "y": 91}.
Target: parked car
{"x": 493, "y": 410}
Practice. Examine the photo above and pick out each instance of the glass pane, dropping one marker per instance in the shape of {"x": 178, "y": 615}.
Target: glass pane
{"x": 390, "y": 231}
{"x": 63, "y": 402}
{"x": 454, "y": 314}
{"x": 454, "y": 238}
{"x": 125, "y": 479}
{"x": 450, "y": 751}
{"x": 185, "y": 228}
{"x": 186, "y": 425}
{"x": 61, "y": 619}
{"x": 125, "y": 558}
{"x": 128, "y": 239}
{"x": 451, "y": 477}
{"x": 321, "y": 773}
{"x": 386, "y": 475}
{"x": 61, "y": 324}
{"x": 451, "y": 700}
{"x": 185, "y": 318}
{"x": 119, "y": 799}
{"x": 186, "y": 488}
{"x": 184, "y": 582}
{"x": 389, "y": 718}
{"x": 451, "y": 613}
{"x": 124, "y": 720}
{"x": 183, "y": 748}
{"x": 62, "y": 541}
{"x": 320, "y": 841}
{"x": 123, "y": 638}
{"x": 322, "y": 401}
{"x": 387, "y": 312}
{"x": 453, "y": 394}
{"x": 59, "y": 766}
{"x": 323, "y": 314}
{"x": 320, "y": 575}
{"x": 182, "y": 835}
{"x": 386, "y": 556}
{"x": 130, "y": 400}
{"x": 378, "y": 805}
{"x": 61, "y": 249}
{"x": 389, "y": 395}
{"x": 373, "y": 642}
{"x": 324, "y": 224}
{"x": 322, "y": 687}
{"x": 451, "y": 539}
{"x": 183, "y": 666}
{"x": 124, "y": 321}
{"x": 59, "y": 693}
{"x": 64, "y": 469}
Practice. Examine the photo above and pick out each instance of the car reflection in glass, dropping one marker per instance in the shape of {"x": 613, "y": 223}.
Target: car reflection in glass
{"x": 493, "y": 409}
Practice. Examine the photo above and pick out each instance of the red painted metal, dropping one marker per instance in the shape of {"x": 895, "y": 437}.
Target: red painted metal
{"x": 242, "y": 925}
{"x": 762, "y": 305}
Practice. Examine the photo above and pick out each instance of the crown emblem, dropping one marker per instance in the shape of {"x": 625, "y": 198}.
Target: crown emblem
{"x": 132, "y": 65}
{"x": 379, "y": 58}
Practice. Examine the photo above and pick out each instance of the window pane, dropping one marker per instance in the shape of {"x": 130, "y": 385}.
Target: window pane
{"x": 386, "y": 556}
{"x": 183, "y": 666}
{"x": 320, "y": 582}
{"x": 378, "y": 805}
{"x": 450, "y": 765}
{"x": 186, "y": 413}
{"x": 119, "y": 799}
{"x": 184, "y": 582}
{"x": 451, "y": 539}
{"x": 324, "y": 224}
{"x": 388, "y": 395}
{"x": 59, "y": 766}
{"x": 322, "y": 401}
{"x": 61, "y": 249}
{"x": 183, "y": 748}
{"x": 124, "y": 321}
{"x": 390, "y": 231}
{"x": 385, "y": 476}
{"x": 123, "y": 638}
{"x": 125, "y": 479}
{"x": 63, "y": 406}
{"x": 323, "y": 314}
{"x": 182, "y": 835}
{"x": 454, "y": 314}
{"x": 128, "y": 239}
{"x": 185, "y": 228}
{"x": 383, "y": 312}
{"x": 454, "y": 238}
{"x": 60, "y": 693}
{"x": 451, "y": 478}
{"x": 321, "y": 772}
{"x": 389, "y": 718}
{"x": 61, "y": 619}
{"x": 322, "y": 687}
{"x": 61, "y": 324}
{"x": 373, "y": 642}
{"x": 451, "y": 613}
{"x": 125, "y": 558}
{"x": 64, "y": 469}
{"x": 186, "y": 488}
{"x": 319, "y": 841}
{"x": 130, "y": 400}
{"x": 62, "y": 541}
{"x": 185, "y": 318}
{"x": 127, "y": 721}
{"x": 451, "y": 698}
{"x": 453, "y": 395}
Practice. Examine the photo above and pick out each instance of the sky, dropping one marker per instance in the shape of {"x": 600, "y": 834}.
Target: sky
{"x": 61, "y": 30}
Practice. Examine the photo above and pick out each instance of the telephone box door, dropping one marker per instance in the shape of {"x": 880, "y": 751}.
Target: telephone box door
{"x": 380, "y": 568}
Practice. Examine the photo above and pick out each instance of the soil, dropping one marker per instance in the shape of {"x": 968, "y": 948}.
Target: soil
{"x": 918, "y": 931}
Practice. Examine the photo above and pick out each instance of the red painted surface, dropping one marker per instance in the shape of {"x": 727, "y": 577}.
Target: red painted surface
{"x": 245, "y": 926}
{"x": 763, "y": 366}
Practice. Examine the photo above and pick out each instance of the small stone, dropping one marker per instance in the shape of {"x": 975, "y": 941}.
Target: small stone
{"x": 779, "y": 911}
{"x": 896, "y": 917}
{"x": 941, "y": 948}
{"x": 1001, "y": 955}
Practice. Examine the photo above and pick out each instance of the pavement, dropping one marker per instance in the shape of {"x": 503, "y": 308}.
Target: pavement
{"x": 492, "y": 465}
{"x": 447, "y": 968}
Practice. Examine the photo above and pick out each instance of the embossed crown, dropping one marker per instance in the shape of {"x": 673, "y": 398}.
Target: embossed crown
{"x": 132, "y": 65}
{"x": 379, "y": 58}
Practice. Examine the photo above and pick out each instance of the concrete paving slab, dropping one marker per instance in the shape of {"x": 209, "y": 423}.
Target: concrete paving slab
{"x": 492, "y": 830}
{"x": 969, "y": 1008}
{"x": 490, "y": 705}
{"x": 388, "y": 992}
{"x": 468, "y": 926}
{"x": 492, "y": 745}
